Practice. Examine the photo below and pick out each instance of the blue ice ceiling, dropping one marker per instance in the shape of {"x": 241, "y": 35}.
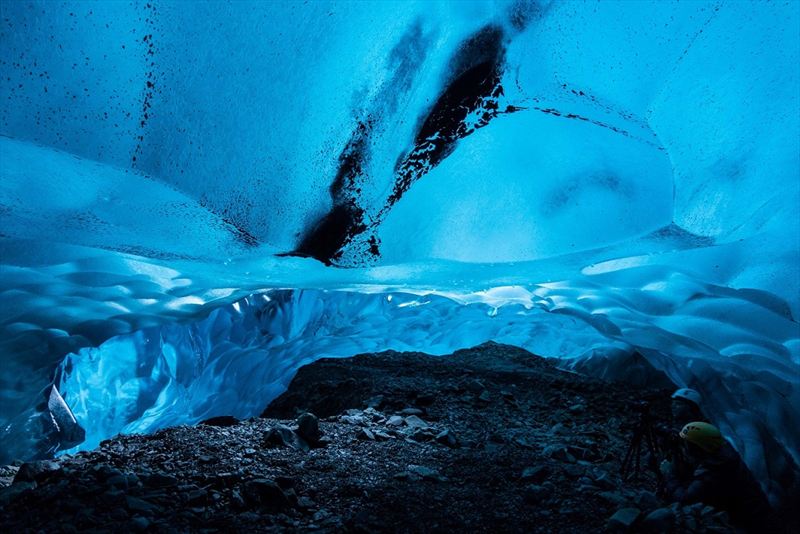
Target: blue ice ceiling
{"x": 630, "y": 168}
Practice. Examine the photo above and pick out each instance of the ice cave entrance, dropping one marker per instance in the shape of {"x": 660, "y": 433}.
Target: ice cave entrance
{"x": 196, "y": 200}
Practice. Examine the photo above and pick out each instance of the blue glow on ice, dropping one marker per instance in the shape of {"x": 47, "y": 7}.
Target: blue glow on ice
{"x": 154, "y": 158}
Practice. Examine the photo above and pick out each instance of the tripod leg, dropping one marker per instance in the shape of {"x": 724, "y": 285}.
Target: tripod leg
{"x": 652, "y": 449}
{"x": 626, "y": 462}
{"x": 632, "y": 454}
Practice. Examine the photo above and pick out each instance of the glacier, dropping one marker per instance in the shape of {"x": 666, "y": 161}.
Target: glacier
{"x": 195, "y": 201}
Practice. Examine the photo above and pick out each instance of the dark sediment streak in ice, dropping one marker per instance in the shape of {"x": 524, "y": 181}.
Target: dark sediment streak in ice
{"x": 467, "y": 102}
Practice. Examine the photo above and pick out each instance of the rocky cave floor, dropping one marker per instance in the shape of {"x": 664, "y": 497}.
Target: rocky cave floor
{"x": 489, "y": 439}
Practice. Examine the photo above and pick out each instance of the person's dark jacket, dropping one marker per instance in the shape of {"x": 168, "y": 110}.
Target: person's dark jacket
{"x": 723, "y": 481}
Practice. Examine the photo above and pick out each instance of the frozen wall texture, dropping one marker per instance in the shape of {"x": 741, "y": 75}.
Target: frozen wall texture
{"x": 592, "y": 181}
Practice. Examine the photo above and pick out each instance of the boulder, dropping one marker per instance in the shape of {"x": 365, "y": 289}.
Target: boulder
{"x": 577, "y": 409}
{"x": 161, "y": 480}
{"x": 140, "y": 524}
{"x": 474, "y": 385}
{"x": 222, "y": 420}
{"x": 421, "y": 435}
{"x": 394, "y": 420}
{"x": 537, "y": 473}
{"x": 534, "y": 494}
{"x": 647, "y": 500}
{"x": 415, "y": 422}
{"x": 426, "y": 473}
{"x": 141, "y": 506}
{"x": 623, "y": 519}
{"x": 426, "y": 399}
{"x": 10, "y": 493}
{"x": 613, "y": 497}
{"x": 308, "y": 428}
{"x": 104, "y": 472}
{"x": 660, "y": 520}
{"x": 366, "y": 435}
{"x": 265, "y": 494}
{"x": 559, "y": 452}
{"x": 604, "y": 480}
{"x": 375, "y": 402}
{"x": 446, "y": 437}
{"x": 35, "y": 471}
{"x": 283, "y": 436}
{"x": 382, "y": 436}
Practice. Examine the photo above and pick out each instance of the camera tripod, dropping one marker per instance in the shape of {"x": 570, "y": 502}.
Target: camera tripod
{"x": 631, "y": 463}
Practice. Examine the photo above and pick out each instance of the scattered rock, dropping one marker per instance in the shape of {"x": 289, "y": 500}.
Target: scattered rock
{"x": 474, "y": 385}
{"x": 366, "y": 434}
{"x": 221, "y": 420}
{"x": 283, "y": 436}
{"x": 375, "y": 402}
{"x": 141, "y": 506}
{"x": 265, "y": 493}
{"x": 426, "y": 473}
{"x": 395, "y": 420}
{"x": 308, "y": 428}
{"x": 577, "y": 409}
{"x": 10, "y": 493}
{"x": 415, "y": 422}
{"x": 660, "y": 520}
{"x": 613, "y": 498}
{"x": 623, "y": 519}
{"x": 537, "y": 473}
{"x": 382, "y": 436}
{"x": 140, "y": 524}
{"x": 305, "y": 503}
{"x": 258, "y": 475}
{"x": 286, "y": 482}
{"x": 421, "y": 435}
{"x": 35, "y": 471}
{"x": 425, "y": 399}
{"x": 197, "y": 496}
{"x": 446, "y": 437}
{"x": 559, "y": 452}
{"x": 7, "y": 474}
{"x": 161, "y": 480}
{"x": 535, "y": 494}
{"x": 647, "y": 500}
{"x": 604, "y": 480}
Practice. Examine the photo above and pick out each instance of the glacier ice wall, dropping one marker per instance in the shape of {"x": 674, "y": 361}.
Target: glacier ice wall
{"x": 159, "y": 162}
{"x": 242, "y": 356}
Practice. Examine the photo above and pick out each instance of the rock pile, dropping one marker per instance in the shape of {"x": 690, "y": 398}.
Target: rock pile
{"x": 492, "y": 438}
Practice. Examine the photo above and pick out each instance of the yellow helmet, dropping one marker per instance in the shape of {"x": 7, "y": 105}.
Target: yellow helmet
{"x": 704, "y": 435}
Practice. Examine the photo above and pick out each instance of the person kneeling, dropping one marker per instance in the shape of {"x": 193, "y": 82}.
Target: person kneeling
{"x": 718, "y": 478}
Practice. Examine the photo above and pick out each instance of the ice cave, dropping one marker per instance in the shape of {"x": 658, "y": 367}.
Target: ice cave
{"x": 198, "y": 199}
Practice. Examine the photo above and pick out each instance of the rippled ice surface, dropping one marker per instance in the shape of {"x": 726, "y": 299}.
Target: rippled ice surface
{"x": 740, "y": 348}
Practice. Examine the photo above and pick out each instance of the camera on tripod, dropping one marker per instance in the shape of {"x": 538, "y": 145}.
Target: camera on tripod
{"x": 643, "y": 435}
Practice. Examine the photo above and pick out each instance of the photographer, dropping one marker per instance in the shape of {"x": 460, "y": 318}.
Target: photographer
{"x": 684, "y": 408}
{"x": 717, "y": 477}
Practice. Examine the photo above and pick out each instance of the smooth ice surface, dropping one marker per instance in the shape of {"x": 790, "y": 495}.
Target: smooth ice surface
{"x": 583, "y": 180}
